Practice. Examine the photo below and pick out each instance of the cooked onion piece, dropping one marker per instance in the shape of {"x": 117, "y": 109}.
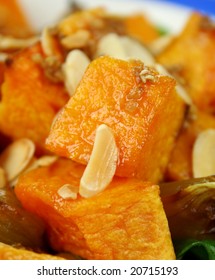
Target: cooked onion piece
{"x": 18, "y": 227}
{"x": 190, "y": 211}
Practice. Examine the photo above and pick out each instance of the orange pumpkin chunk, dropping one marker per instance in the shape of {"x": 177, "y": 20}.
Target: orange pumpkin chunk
{"x": 191, "y": 57}
{"x": 180, "y": 164}
{"x": 12, "y": 20}
{"x": 126, "y": 221}
{"x": 138, "y": 109}
{"x": 30, "y": 100}
{"x": 139, "y": 27}
{"x": 8, "y": 252}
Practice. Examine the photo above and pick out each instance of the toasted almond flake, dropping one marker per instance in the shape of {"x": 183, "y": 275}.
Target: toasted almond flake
{"x": 34, "y": 164}
{"x": 147, "y": 75}
{"x": 76, "y": 40}
{"x": 74, "y": 67}
{"x": 10, "y": 43}
{"x": 4, "y": 57}
{"x": 13, "y": 182}
{"x": 41, "y": 162}
{"x": 3, "y": 180}
{"x": 123, "y": 47}
{"x": 203, "y": 155}
{"x": 16, "y": 157}
{"x": 102, "y": 164}
{"x": 46, "y": 160}
{"x": 111, "y": 45}
{"x": 136, "y": 50}
{"x": 160, "y": 44}
{"x": 47, "y": 42}
{"x": 68, "y": 191}
{"x": 179, "y": 88}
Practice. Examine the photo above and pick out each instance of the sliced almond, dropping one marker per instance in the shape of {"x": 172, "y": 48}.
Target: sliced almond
{"x": 102, "y": 164}
{"x": 68, "y": 191}
{"x": 123, "y": 47}
{"x": 34, "y": 164}
{"x": 4, "y": 56}
{"x": 46, "y": 160}
{"x": 135, "y": 50}
{"x": 16, "y": 157}
{"x": 74, "y": 67}
{"x": 47, "y": 42}
{"x": 160, "y": 44}
{"x": 10, "y": 43}
{"x": 204, "y": 154}
{"x": 111, "y": 45}
{"x": 3, "y": 180}
{"x": 183, "y": 94}
{"x": 179, "y": 88}
{"x": 13, "y": 182}
{"x": 41, "y": 162}
{"x": 76, "y": 40}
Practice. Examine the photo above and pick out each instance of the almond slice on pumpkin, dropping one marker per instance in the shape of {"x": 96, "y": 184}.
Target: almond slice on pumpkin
{"x": 160, "y": 44}
{"x": 16, "y": 157}
{"x": 34, "y": 164}
{"x": 40, "y": 162}
{"x": 123, "y": 47}
{"x": 102, "y": 164}
{"x": 47, "y": 42}
{"x": 68, "y": 191}
{"x": 11, "y": 43}
{"x": 74, "y": 67}
{"x": 79, "y": 39}
{"x": 179, "y": 88}
{"x": 136, "y": 50}
{"x": 204, "y": 154}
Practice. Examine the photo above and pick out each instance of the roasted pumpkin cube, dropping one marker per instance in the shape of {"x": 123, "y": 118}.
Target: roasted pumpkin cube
{"x": 191, "y": 58}
{"x": 125, "y": 221}
{"x": 13, "y": 21}
{"x": 8, "y": 252}
{"x": 180, "y": 164}
{"x": 2, "y": 67}
{"x": 30, "y": 99}
{"x": 136, "y": 102}
{"x": 139, "y": 27}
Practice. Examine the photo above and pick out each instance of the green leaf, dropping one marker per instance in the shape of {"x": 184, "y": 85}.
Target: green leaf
{"x": 162, "y": 30}
{"x": 195, "y": 249}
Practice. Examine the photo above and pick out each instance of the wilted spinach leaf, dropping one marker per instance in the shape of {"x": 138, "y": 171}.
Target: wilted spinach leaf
{"x": 195, "y": 249}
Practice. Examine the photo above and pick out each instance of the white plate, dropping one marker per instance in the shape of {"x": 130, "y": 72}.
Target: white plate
{"x": 46, "y": 12}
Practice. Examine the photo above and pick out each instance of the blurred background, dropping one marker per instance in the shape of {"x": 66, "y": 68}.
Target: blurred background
{"x": 44, "y": 12}
{"x": 206, "y": 6}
